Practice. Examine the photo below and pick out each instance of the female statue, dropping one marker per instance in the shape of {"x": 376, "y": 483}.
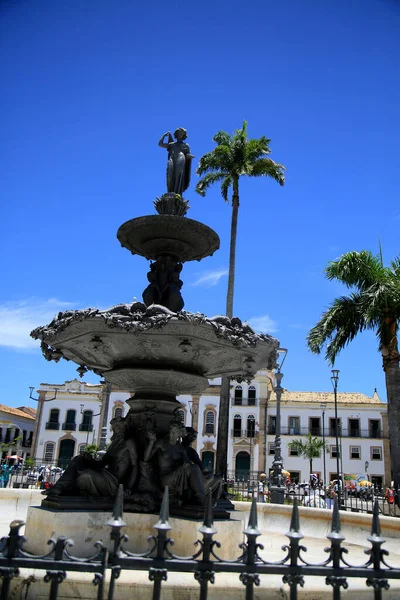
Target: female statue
{"x": 179, "y": 161}
{"x": 176, "y": 470}
{"x": 87, "y": 476}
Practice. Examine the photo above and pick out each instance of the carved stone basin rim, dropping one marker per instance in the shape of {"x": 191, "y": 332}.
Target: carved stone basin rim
{"x": 133, "y": 337}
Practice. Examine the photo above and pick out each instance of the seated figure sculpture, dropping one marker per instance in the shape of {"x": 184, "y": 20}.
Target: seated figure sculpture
{"x": 211, "y": 482}
{"x": 86, "y": 476}
{"x": 183, "y": 477}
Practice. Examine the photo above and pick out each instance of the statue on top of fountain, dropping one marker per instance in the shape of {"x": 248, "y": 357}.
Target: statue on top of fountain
{"x": 179, "y": 160}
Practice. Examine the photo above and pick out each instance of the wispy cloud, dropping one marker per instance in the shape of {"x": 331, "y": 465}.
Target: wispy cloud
{"x": 17, "y": 319}
{"x": 264, "y": 324}
{"x": 210, "y": 278}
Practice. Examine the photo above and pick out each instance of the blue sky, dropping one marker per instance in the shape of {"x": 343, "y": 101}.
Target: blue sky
{"x": 88, "y": 88}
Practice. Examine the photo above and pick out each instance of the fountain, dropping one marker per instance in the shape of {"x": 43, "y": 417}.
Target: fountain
{"x": 157, "y": 350}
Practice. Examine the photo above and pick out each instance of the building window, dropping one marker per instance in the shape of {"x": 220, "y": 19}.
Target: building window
{"x": 333, "y": 452}
{"x": 354, "y": 427}
{"x": 118, "y": 412}
{"x": 271, "y": 448}
{"x": 295, "y": 476}
{"x": 376, "y": 453}
{"x": 293, "y": 452}
{"x": 86, "y": 424}
{"x": 238, "y": 398}
{"x": 355, "y": 452}
{"x": 237, "y": 426}
{"x": 332, "y": 427}
{"x": 210, "y": 422}
{"x": 70, "y": 424}
{"x": 251, "y": 426}
{"x": 53, "y": 423}
{"x": 49, "y": 452}
{"x": 315, "y": 426}
{"x": 294, "y": 425}
{"x": 252, "y": 396}
{"x": 272, "y": 425}
{"x": 375, "y": 428}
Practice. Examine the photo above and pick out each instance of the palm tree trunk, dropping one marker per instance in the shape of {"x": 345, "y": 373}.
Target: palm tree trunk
{"x": 232, "y": 249}
{"x": 310, "y": 469}
{"x": 221, "y": 461}
{"x": 392, "y": 376}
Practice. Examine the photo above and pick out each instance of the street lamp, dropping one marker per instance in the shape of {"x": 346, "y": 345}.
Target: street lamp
{"x": 277, "y": 487}
{"x": 335, "y": 380}
{"x": 323, "y": 406}
{"x": 44, "y": 399}
{"x": 91, "y": 422}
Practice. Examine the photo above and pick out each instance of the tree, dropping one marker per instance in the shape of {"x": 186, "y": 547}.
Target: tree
{"x": 373, "y": 304}
{"x": 233, "y": 157}
{"x": 309, "y": 448}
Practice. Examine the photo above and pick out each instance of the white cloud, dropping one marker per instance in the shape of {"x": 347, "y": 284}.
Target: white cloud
{"x": 263, "y": 324}
{"x": 17, "y": 319}
{"x": 210, "y": 278}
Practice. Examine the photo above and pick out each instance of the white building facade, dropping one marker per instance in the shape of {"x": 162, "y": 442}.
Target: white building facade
{"x": 66, "y": 424}
{"x": 16, "y": 430}
{"x": 70, "y": 417}
{"x": 362, "y": 434}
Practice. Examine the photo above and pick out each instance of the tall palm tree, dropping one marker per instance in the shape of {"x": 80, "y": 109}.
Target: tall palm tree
{"x": 233, "y": 157}
{"x": 309, "y": 448}
{"x": 374, "y": 303}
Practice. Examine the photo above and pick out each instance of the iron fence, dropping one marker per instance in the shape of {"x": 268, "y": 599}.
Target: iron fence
{"x": 36, "y": 474}
{"x": 244, "y": 486}
{"x": 206, "y": 563}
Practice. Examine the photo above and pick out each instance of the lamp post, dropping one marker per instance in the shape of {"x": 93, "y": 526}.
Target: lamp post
{"x": 335, "y": 380}
{"x": 323, "y": 406}
{"x": 91, "y": 422}
{"x": 277, "y": 479}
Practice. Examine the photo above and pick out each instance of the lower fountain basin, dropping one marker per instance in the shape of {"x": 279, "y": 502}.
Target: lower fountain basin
{"x": 145, "y": 349}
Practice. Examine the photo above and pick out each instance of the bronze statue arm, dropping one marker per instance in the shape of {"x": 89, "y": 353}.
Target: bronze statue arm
{"x": 163, "y": 144}
{"x": 152, "y": 446}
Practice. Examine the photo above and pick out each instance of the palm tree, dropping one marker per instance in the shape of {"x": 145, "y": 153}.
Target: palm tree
{"x": 374, "y": 303}
{"x": 309, "y": 448}
{"x": 233, "y": 157}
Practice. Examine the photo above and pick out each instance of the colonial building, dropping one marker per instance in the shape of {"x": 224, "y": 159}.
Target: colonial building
{"x": 16, "y": 430}
{"x": 74, "y": 418}
{"x": 362, "y": 434}
{"x": 70, "y": 416}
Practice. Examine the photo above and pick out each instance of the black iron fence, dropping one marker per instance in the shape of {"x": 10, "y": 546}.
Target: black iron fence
{"x": 207, "y": 561}
{"x": 31, "y": 474}
{"x": 246, "y": 485}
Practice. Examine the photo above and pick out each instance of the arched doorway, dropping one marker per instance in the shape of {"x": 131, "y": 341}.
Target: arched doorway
{"x": 242, "y": 465}
{"x": 66, "y": 452}
{"x": 207, "y": 458}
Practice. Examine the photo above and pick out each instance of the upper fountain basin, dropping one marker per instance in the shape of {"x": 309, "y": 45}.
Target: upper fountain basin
{"x": 155, "y": 235}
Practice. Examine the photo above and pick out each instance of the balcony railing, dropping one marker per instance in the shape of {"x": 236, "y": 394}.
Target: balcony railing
{"x": 329, "y": 432}
{"x": 69, "y": 426}
{"x": 86, "y": 427}
{"x": 245, "y": 401}
{"x": 52, "y": 425}
{"x": 244, "y": 433}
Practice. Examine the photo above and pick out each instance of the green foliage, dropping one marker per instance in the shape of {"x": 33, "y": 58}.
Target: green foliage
{"x": 236, "y": 155}
{"x": 91, "y": 449}
{"x": 374, "y": 303}
{"x": 310, "y": 447}
{"x": 29, "y": 463}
